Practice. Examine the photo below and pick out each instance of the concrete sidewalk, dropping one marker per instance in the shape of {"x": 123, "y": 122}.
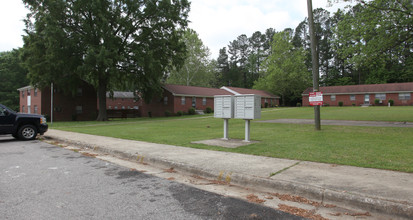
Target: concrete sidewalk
{"x": 370, "y": 189}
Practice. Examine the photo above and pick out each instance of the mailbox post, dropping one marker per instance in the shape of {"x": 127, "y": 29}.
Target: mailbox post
{"x": 224, "y": 108}
{"x": 247, "y": 107}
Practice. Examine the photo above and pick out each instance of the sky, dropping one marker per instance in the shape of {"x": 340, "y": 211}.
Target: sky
{"x": 216, "y": 21}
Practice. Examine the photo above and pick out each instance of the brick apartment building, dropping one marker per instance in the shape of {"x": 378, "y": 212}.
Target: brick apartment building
{"x": 400, "y": 93}
{"x": 181, "y": 98}
{"x": 66, "y": 107}
{"x": 84, "y": 104}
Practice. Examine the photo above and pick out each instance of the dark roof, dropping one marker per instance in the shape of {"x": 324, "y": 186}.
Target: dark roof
{"x": 370, "y": 88}
{"x": 243, "y": 91}
{"x": 180, "y": 90}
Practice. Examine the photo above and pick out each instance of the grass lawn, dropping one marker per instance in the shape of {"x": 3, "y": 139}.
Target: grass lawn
{"x": 374, "y": 147}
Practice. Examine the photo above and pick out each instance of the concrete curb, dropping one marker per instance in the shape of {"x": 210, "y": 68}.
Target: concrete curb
{"x": 366, "y": 202}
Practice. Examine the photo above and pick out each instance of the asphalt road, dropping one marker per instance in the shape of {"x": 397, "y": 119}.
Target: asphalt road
{"x": 43, "y": 181}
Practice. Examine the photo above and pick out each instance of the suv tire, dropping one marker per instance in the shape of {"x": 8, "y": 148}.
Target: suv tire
{"x": 27, "y": 132}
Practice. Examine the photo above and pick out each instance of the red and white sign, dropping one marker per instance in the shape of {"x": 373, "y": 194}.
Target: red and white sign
{"x": 316, "y": 98}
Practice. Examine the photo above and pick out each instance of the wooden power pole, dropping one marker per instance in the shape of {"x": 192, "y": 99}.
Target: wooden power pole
{"x": 314, "y": 56}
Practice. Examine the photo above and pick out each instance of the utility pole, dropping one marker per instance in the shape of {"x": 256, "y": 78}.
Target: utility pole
{"x": 314, "y": 56}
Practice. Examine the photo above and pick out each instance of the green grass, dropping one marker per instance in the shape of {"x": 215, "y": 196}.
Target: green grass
{"x": 374, "y": 147}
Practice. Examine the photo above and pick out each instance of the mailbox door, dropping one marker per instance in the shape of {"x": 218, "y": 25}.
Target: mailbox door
{"x": 227, "y": 107}
{"x": 218, "y": 107}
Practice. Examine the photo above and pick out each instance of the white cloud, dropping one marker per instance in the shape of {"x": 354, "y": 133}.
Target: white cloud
{"x": 12, "y": 14}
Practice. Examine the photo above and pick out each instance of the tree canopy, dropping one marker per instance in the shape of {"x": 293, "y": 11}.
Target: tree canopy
{"x": 196, "y": 69}
{"x": 13, "y": 76}
{"x": 284, "y": 70}
{"x": 107, "y": 43}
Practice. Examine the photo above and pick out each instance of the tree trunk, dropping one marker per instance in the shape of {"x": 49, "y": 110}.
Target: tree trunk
{"x": 102, "y": 116}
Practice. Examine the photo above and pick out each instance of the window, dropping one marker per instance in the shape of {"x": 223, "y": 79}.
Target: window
{"x": 123, "y": 107}
{"x": 165, "y": 100}
{"x": 404, "y": 96}
{"x": 22, "y": 108}
{"x": 380, "y": 96}
{"x": 35, "y": 109}
{"x": 333, "y": 97}
{"x": 79, "y": 92}
{"x": 28, "y": 92}
{"x": 2, "y": 111}
{"x": 22, "y": 94}
{"x": 35, "y": 92}
{"x": 109, "y": 107}
{"x": 79, "y": 109}
{"x": 204, "y": 101}
{"x": 193, "y": 102}
{"x": 352, "y": 97}
{"x": 116, "y": 107}
{"x": 182, "y": 100}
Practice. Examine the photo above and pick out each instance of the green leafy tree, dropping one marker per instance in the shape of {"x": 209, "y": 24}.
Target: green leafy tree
{"x": 13, "y": 76}
{"x": 285, "y": 73}
{"x": 107, "y": 43}
{"x": 377, "y": 40}
{"x": 196, "y": 70}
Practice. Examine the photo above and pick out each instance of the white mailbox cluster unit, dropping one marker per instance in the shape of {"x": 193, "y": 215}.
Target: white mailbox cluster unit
{"x": 247, "y": 107}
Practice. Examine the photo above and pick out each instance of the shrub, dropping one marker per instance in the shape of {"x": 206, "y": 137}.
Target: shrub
{"x": 377, "y": 101}
{"x": 266, "y": 105}
{"x": 391, "y": 101}
{"x": 298, "y": 104}
{"x": 191, "y": 111}
{"x": 340, "y": 103}
{"x": 353, "y": 104}
{"x": 208, "y": 110}
{"x": 150, "y": 114}
{"x": 179, "y": 113}
{"x": 168, "y": 113}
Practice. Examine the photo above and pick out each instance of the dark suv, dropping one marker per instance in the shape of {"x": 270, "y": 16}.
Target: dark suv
{"x": 22, "y": 126}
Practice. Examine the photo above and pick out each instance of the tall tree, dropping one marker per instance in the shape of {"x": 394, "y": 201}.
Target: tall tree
{"x": 13, "y": 76}
{"x": 285, "y": 72}
{"x": 196, "y": 70}
{"x": 105, "y": 43}
{"x": 380, "y": 40}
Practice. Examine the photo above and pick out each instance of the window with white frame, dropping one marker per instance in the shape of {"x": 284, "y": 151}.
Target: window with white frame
{"x": 183, "y": 100}
{"x": 35, "y": 92}
{"x": 380, "y": 96}
{"x": 35, "y": 109}
{"x": 79, "y": 109}
{"x": 404, "y": 96}
{"x": 22, "y": 94}
{"x": 352, "y": 97}
{"x": 204, "y": 101}
{"x": 165, "y": 100}
{"x": 79, "y": 92}
{"x": 333, "y": 97}
{"x": 23, "y": 109}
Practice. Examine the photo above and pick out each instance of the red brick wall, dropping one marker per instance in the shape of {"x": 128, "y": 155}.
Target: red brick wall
{"x": 35, "y": 101}
{"x": 119, "y": 102}
{"x": 157, "y": 106}
{"x": 360, "y": 100}
{"x": 64, "y": 105}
